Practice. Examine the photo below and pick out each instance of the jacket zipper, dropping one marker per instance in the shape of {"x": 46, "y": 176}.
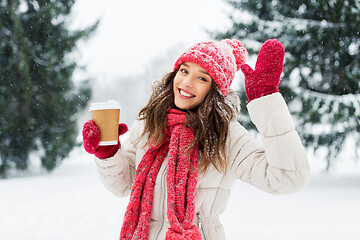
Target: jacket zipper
{"x": 163, "y": 181}
{"x": 201, "y": 227}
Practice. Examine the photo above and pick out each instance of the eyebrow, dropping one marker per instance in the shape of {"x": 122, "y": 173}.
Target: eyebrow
{"x": 202, "y": 71}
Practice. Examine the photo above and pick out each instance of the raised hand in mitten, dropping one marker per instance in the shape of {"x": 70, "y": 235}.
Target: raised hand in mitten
{"x": 91, "y": 139}
{"x": 265, "y": 79}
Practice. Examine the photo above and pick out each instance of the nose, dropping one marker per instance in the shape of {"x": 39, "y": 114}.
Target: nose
{"x": 188, "y": 81}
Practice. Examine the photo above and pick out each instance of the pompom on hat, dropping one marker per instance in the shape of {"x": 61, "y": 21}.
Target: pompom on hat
{"x": 221, "y": 59}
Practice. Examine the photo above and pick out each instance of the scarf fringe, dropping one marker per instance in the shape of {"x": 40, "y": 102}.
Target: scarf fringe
{"x": 191, "y": 234}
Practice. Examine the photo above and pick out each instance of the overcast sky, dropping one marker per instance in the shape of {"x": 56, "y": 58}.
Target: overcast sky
{"x": 133, "y": 32}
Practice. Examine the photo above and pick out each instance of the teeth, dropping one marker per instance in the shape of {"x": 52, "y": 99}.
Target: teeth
{"x": 185, "y": 94}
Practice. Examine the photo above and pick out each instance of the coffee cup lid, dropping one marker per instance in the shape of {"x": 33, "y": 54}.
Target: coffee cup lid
{"x": 111, "y": 104}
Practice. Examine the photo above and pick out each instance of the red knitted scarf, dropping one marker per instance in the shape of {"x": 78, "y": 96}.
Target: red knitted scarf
{"x": 181, "y": 181}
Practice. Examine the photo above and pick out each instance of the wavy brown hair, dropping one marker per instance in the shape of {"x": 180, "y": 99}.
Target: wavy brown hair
{"x": 210, "y": 122}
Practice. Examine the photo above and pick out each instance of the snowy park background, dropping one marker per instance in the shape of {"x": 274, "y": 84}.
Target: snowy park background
{"x": 70, "y": 203}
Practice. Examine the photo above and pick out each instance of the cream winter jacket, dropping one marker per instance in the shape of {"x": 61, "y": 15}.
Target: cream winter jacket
{"x": 277, "y": 166}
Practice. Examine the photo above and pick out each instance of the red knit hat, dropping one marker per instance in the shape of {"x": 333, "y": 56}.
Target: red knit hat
{"x": 220, "y": 59}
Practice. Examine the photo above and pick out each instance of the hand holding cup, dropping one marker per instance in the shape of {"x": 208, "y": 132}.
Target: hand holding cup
{"x": 101, "y": 134}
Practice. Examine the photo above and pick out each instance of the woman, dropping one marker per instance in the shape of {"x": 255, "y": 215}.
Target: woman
{"x": 187, "y": 149}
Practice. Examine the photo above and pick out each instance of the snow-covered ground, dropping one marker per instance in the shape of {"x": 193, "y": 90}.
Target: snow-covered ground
{"x": 70, "y": 203}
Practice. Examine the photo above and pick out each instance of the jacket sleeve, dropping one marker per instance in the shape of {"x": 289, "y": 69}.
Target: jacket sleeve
{"x": 279, "y": 164}
{"x": 117, "y": 173}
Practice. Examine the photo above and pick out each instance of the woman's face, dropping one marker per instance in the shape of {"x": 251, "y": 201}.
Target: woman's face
{"x": 191, "y": 85}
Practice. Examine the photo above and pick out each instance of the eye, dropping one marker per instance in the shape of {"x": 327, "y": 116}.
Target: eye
{"x": 203, "y": 79}
{"x": 183, "y": 70}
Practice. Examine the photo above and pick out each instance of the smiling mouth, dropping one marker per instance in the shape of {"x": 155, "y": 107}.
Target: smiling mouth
{"x": 185, "y": 94}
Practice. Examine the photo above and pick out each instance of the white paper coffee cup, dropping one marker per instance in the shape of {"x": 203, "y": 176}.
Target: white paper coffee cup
{"x": 106, "y": 115}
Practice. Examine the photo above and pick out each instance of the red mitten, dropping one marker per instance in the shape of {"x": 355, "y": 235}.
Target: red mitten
{"x": 265, "y": 79}
{"x": 91, "y": 139}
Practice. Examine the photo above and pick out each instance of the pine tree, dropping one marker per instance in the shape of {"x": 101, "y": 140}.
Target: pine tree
{"x": 321, "y": 80}
{"x": 39, "y": 101}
